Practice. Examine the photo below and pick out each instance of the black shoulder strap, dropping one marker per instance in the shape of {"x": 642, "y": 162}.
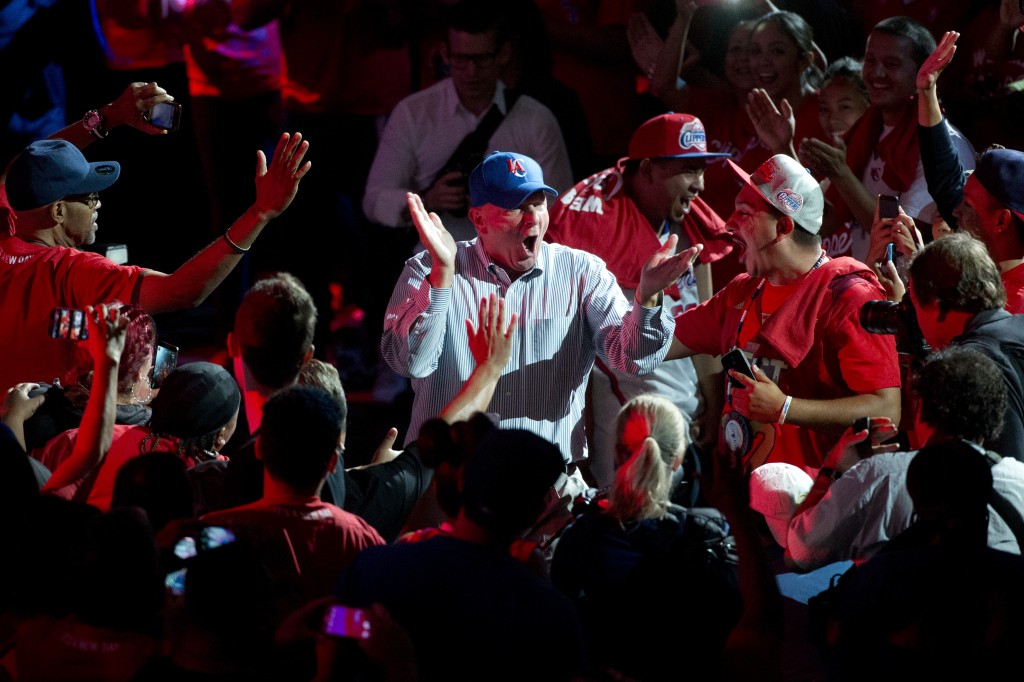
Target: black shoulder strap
{"x": 471, "y": 150}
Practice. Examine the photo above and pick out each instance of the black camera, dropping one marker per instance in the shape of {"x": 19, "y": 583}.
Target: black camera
{"x": 899, "y": 319}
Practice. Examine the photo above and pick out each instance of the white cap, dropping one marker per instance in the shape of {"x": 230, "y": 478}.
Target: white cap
{"x": 776, "y": 490}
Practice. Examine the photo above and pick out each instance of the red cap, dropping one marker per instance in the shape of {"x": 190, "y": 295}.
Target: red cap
{"x": 672, "y": 136}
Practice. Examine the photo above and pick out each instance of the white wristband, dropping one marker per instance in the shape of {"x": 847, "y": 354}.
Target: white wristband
{"x": 785, "y": 409}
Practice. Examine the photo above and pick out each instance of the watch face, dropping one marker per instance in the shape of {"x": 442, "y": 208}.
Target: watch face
{"x": 92, "y": 119}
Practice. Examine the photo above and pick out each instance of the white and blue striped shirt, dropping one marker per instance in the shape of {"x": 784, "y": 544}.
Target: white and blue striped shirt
{"x": 570, "y": 309}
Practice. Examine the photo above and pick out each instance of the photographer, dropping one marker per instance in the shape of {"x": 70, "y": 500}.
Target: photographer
{"x": 959, "y": 298}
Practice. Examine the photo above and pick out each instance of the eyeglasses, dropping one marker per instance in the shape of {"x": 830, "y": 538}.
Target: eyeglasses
{"x": 462, "y": 61}
{"x": 90, "y": 200}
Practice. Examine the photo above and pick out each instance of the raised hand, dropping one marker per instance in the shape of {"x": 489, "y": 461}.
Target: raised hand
{"x": 439, "y": 242}
{"x": 774, "y": 126}
{"x": 938, "y": 60}
{"x": 644, "y": 42}
{"x": 130, "y": 105}
{"x": 491, "y": 341}
{"x": 664, "y": 268}
{"x": 824, "y": 160}
{"x": 107, "y": 331}
{"x": 277, "y": 184}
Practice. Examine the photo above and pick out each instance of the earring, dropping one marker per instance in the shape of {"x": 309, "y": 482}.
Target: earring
{"x": 143, "y": 399}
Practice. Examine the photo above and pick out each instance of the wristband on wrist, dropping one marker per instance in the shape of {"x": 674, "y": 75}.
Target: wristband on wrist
{"x": 234, "y": 247}
{"x": 785, "y": 409}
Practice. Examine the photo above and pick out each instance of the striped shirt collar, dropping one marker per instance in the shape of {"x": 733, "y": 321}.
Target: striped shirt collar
{"x": 488, "y": 263}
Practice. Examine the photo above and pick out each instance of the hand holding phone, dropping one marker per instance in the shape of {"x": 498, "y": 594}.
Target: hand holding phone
{"x": 346, "y": 621}
{"x": 861, "y": 424}
{"x": 737, "y": 360}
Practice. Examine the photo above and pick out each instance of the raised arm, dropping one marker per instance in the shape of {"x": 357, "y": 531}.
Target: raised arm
{"x": 96, "y": 433}
{"x": 190, "y": 284}
{"x": 664, "y": 60}
{"x": 491, "y": 345}
{"x": 126, "y": 110}
{"x": 942, "y": 169}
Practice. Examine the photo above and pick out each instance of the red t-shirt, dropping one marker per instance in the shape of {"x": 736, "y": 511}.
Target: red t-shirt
{"x": 813, "y": 346}
{"x": 34, "y": 279}
{"x": 1013, "y": 282}
{"x": 310, "y": 541}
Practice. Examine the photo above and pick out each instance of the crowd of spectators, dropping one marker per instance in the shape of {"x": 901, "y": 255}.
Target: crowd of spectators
{"x": 652, "y": 344}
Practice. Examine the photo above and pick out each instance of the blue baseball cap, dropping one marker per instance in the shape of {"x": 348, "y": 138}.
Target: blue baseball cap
{"x": 1001, "y": 173}
{"x": 48, "y": 170}
{"x": 506, "y": 180}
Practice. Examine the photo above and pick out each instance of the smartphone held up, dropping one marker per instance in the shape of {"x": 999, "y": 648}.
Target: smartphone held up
{"x": 888, "y": 206}
{"x": 346, "y": 621}
{"x": 164, "y": 115}
{"x": 68, "y": 323}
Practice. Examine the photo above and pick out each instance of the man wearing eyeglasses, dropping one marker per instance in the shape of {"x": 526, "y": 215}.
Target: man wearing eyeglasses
{"x": 54, "y": 194}
{"x": 435, "y": 137}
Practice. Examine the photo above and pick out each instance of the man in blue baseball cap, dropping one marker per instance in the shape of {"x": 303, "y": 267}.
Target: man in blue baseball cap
{"x": 567, "y": 308}
{"x": 53, "y": 192}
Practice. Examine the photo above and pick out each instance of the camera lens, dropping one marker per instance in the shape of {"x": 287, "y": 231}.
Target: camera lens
{"x": 880, "y": 317}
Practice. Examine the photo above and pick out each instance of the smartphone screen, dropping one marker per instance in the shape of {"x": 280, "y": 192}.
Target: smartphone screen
{"x": 164, "y": 363}
{"x": 346, "y": 621}
{"x": 68, "y": 323}
{"x": 166, "y": 115}
{"x": 888, "y": 206}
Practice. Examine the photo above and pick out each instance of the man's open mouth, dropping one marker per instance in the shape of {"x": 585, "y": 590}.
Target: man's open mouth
{"x": 530, "y": 242}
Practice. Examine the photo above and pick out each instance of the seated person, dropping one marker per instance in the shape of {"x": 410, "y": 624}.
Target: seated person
{"x": 615, "y": 563}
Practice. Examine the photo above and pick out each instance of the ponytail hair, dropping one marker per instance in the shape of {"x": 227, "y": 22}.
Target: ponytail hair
{"x": 650, "y": 435}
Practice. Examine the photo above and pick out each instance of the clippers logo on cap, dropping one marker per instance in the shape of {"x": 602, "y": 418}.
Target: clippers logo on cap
{"x": 789, "y": 201}
{"x": 516, "y": 168}
{"x": 693, "y": 135}
{"x": 105, "y": 169}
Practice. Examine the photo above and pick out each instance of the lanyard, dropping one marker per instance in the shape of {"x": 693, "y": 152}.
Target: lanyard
{"x": 750, "y": 304}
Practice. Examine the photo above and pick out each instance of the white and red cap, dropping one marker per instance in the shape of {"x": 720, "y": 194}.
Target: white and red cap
{"x": 789, "y": 187}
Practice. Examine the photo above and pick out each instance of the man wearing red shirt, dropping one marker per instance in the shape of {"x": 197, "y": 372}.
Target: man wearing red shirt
{"x": 795, "y": 313}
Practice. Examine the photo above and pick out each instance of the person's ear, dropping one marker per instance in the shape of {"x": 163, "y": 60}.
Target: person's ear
{"x": 785, "y": 225}
{"x": 476, "y": 216}
{"x": 1004, "y": 220}
{"x": 58, "y": 211}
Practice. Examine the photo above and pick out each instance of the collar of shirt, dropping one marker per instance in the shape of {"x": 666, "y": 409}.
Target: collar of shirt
{"x": 455, "y": 107}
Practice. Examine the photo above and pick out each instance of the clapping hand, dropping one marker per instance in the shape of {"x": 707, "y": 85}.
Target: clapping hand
{"x": 664, "y": 268}
{"x": 439, "y": 242}
{"x": 491, "y": 341}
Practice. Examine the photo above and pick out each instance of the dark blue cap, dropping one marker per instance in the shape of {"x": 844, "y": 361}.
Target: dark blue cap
{"x": 1001, "y": 173}
{"x": 506, "y": 180}
{"x": 48, "y": 170}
